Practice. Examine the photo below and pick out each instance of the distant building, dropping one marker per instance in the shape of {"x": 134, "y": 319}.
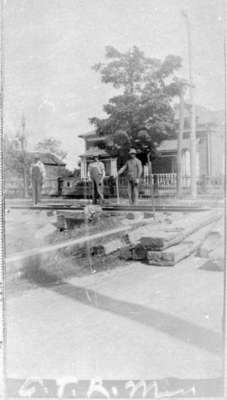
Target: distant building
{"x": 14, "y": 185}
{"x": 209, "y": 154}
{"x": 94, "y": 145}
{"x": 53, "y": 165}
{"x": 54, "y": 170}
{"x": 209, "y": 159}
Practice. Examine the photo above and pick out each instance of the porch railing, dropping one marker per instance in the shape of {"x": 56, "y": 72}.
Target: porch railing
{"x": 166, "y": 185}
{"x": 152, "y": 185}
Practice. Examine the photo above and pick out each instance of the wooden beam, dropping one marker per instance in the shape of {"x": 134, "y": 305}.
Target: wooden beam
{"x": 167, "y": 239}
{"x": 174, "y": 254}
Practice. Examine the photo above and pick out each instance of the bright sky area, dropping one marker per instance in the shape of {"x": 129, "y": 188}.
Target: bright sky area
{"x": 51, "y": 45}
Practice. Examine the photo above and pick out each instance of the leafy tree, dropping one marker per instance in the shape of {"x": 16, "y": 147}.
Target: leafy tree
{"x": 14, "y": 159}
{"x": 16, "y": 165}
{"x": 144, "y": 108}
{"x": 51, "y": 145}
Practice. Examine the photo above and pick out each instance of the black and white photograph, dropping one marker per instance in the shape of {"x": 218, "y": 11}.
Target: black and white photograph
{"x": 113, "y": 180}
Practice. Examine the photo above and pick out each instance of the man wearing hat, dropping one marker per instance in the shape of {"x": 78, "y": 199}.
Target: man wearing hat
{"x": 133, "y": 167}
{"x": 38, "y": 175}
{"x": 96, "y": 172}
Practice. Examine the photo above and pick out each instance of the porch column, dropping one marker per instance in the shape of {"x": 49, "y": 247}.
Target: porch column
{"x": 197, "y": 164}
{"x": 113, "y": 166}
{"x": 185, "y": 159}
{"x": 83, "y": 168}
{"x": 209, "y": 156}
{"x": 173, "y": 164}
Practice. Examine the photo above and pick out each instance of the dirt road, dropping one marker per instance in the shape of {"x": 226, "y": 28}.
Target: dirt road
{"x": 132, "y": 322}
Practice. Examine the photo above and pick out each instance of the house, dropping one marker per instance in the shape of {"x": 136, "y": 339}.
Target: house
{"x": 95, "y": 146}
{"x": 209, "y": 154}
{"x": 210, "y": 157}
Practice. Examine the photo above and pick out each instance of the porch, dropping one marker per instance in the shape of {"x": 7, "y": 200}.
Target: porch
{"x": 165, "y": 185}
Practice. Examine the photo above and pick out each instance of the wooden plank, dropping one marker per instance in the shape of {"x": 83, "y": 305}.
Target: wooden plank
{"x": 156, "y": 233}
{"x": 174, "y": 254}
{"x": 169, "y": 257}
{"x": 142, "y": 208}
{"x": 112, "y": 246}
{"x": 153, "y": 230}
{"x": 166, "y": 239}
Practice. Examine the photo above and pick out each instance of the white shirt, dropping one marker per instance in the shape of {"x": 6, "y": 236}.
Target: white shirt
{"x": 96, "y": 168}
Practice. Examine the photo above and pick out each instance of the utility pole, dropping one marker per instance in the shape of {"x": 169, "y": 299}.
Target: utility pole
{"x": 193, "y": 114}
{"x": 179, "y": 143}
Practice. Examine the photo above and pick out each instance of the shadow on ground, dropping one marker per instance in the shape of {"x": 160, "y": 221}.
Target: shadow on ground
{"x": 176, "y": 327}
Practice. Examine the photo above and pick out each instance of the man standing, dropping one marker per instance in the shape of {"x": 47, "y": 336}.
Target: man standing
{"x": 38, "y": 175}
{"x": 133, "y": 167}
{"x": 96, "y": 172}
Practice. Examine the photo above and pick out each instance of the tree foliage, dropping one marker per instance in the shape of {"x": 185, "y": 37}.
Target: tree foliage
{"x": 51, "y": 145}
{"x": 143, "y": 109}
{"x": 14, "y": 158}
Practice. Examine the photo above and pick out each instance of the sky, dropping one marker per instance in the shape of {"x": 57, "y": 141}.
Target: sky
{"x": 51, "y": 45}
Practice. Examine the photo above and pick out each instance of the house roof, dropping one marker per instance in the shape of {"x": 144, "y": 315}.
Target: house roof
{"x": 47, "y": 158}
{"x": 92, "y": 137}
{"x": 95, "y": 151}
{"x": 166, "y": 146}
{"x": 89, "y": 134}
{"x": 204, "y": 115}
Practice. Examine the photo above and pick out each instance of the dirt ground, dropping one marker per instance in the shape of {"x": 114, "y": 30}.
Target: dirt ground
{"x": 26, "y": 229}
{"x": 127, "y": 320}
{"x": 29, "y": 229}
{"x": 132, "y": 321}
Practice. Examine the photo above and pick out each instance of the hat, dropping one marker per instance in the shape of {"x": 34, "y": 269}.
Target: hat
{"x": 132, "y": 151}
